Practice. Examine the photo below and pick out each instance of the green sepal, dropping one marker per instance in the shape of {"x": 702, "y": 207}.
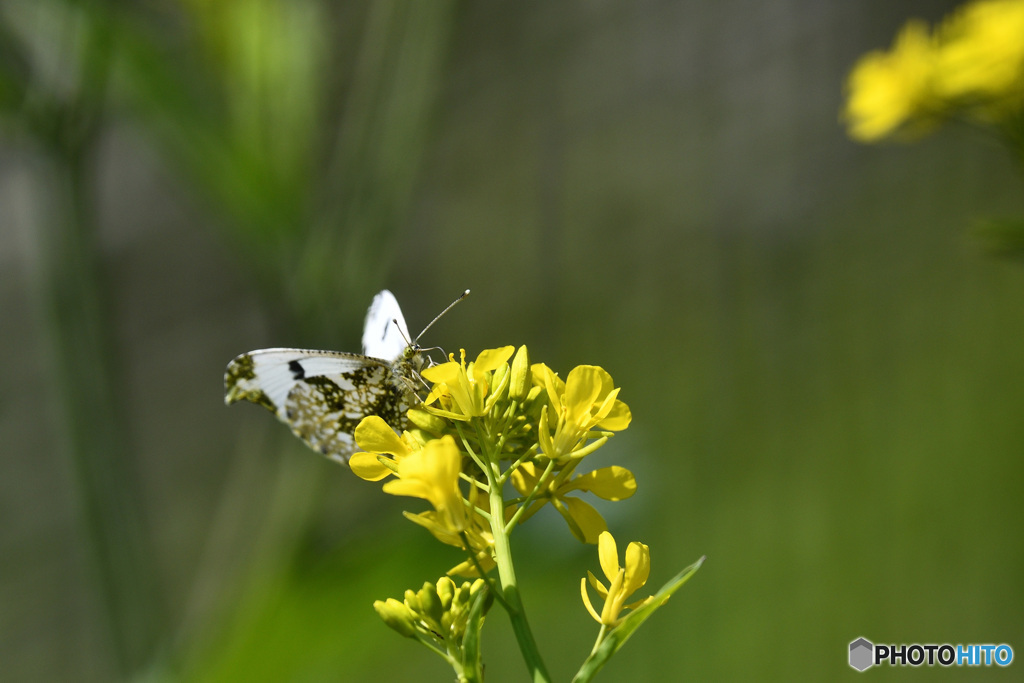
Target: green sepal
{"x": 618, "y": 636}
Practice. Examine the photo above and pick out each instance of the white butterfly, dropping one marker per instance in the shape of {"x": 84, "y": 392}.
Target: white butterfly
{"x": 322, "y": 395}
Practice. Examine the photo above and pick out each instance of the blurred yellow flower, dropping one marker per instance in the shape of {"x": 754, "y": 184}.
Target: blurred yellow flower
{"x": 982, "y": 51}
{"x": 623, "y": 581}
{"x": 586, "y": 400}
{"x": 886, "y": 90}
{"x": 432, "y": 473}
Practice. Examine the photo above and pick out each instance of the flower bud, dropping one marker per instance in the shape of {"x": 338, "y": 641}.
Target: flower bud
{"x": 520, "y": 381}
{"x": 446, "y": 592}
{"x": 430, "y": 604}
{"x": 397, "y": 616}
{"x": 427, "y": 422}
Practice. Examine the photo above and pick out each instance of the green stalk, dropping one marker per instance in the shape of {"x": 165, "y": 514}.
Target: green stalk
{"x": 513, "y": 601}
{"x": 83, "y": 373}
{"x": 74, "y": 305}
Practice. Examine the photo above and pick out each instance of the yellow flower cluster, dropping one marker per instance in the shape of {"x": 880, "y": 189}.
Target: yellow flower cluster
{"x": 973, "y": 63}
{"x": 493, "y": 420}
{"x": 495, "y": 440}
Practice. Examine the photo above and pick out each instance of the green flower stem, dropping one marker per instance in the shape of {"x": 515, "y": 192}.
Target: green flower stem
{"x": 541, "y": 484}
{"x": 488, "y": 579}
{"x": 529, "y": 454}
{"x": 600, "y": 638}
{"x": 512, "y": 602}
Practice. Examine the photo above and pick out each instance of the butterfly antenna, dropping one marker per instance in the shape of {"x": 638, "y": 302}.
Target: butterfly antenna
{"x": 438, "y": 317}
{"x": 399, "y": 328}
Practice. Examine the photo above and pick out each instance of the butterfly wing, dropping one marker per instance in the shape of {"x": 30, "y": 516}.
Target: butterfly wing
{"x": 385, "y": 334}
{"x": 321, "y": 395}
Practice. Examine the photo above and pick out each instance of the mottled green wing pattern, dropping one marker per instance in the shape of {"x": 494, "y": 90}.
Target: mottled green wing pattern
{"x": 322, "y": 395}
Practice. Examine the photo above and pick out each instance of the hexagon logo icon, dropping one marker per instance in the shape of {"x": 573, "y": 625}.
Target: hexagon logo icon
{"x": 862, "y": 654}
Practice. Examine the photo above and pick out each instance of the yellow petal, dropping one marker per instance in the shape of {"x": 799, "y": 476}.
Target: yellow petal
{"x": 445, "y": 372}
{"x": 589, "y": 520}
{"x": 375, "y": 435}
{"x": 490, "y": 359}
{"x": 608, "y": 554}
{"x": 586, "y": 601}
{"x": 638, "y": 567}
{"x": 367, "y": 466}
{"x": 409, "y": 486}
{"x": 617, "y": 419}
{"x": 609, "y": 483}
{"x": 582, "y": 389}
{"x": 543, "y": 376}
{"x": 470, "y": 391}
{"x": 429, "y": 521}
{"x": 603, "y": 406}
{"x": 525, "y": 477}
{"x": 431, "y": 473}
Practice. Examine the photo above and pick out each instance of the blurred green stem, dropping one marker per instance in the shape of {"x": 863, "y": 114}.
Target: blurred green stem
{"x": 83, "y": 364}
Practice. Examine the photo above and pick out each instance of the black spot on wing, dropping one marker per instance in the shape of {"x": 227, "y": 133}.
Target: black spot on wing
{"x": 297, "y": 371}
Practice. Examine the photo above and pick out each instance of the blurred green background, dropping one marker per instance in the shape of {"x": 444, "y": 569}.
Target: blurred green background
{"x": 824, "y": 369}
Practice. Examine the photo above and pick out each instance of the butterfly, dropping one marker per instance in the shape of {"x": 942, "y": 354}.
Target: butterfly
{"x": 323, "y": 395}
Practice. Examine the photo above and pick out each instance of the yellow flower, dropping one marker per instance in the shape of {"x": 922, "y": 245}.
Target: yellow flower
{"x": 585, "y": 401}
{"x": 586, "y": 523}
{"x": 889, "y": 89}
{"x": 477, "y": 532}
{"x": 623, "y": 581}
{"x": 432, "y": 473}
{"x": 982, "y": 51}
{"x": 375, "y": 435}
{"x": 462, "y": 390}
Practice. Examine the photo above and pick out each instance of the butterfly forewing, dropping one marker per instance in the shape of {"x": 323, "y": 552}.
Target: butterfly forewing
{"x": 385, "y": 334}
{"x": 321, "y": 395}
